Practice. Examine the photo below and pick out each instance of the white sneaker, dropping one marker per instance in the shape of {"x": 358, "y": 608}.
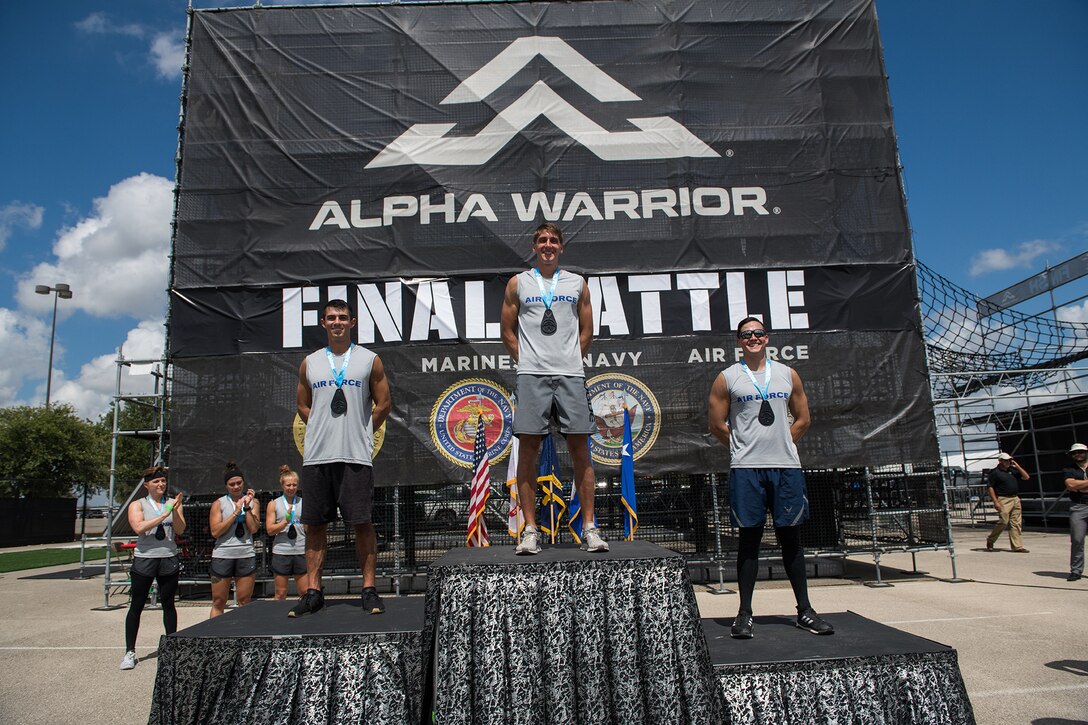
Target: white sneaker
{"x": 592, "y": 541}
{"x": 128, "y": 662}
{"x": 530, "y": 541}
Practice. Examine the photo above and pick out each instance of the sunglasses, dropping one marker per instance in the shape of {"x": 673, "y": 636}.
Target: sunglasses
{"x": 749, "y": 334}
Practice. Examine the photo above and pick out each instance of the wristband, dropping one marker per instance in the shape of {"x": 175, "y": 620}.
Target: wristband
{"x": 169, "y": 507}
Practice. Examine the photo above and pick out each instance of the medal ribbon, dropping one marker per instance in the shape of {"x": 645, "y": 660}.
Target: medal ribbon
{"x": 289, "y": 517}
{"x": 159, "y": 510}
{"x": 550, "y": 294}
{"x": 339, "y": 374}
{"x": 766, "y": 389}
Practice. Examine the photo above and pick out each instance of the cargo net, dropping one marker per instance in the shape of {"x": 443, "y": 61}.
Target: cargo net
{"x": 969, "y": 349}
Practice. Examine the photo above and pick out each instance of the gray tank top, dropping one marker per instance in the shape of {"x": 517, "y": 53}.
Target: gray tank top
{"x": 347, "y": 438}
{"x": 558, "y": 354}
{"x": 283, "y": 544}
{"x": 229, "y": 546}
{"x": 751, "y": 444}
{"x": 147, "y": 546}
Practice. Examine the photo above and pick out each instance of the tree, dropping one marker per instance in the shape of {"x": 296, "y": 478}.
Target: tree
{"x": 43, "y": 451}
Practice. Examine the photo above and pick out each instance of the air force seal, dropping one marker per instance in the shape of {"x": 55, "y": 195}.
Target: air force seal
{"x": 608, "y": 394}
{"x": 457, "y": 412}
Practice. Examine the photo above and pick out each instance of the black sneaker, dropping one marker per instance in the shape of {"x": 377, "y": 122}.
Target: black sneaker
{"x": 742, "y": 626}
{"x": 811, "y": 621}
{"x": 372, "y": 602}
{"x": 312, "y": 601}
{"x": 1072, "y": 577}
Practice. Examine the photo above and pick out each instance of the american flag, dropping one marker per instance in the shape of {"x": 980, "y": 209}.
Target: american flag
{"x": 481, "y": 489}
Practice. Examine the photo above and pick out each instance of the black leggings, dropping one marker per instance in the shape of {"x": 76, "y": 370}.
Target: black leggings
{"x": 793, "y": 559}
{"x": 141, "y": 587}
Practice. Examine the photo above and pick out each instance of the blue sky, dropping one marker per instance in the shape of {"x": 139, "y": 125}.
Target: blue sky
{"x": 990, "y": 106}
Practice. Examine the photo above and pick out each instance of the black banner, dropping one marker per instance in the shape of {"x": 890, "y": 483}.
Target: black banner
{"x": 706, "y": 161}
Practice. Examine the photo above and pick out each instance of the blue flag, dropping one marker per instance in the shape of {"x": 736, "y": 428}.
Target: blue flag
{"x": 553, "y": 503}
{"x": 627, "y": 481}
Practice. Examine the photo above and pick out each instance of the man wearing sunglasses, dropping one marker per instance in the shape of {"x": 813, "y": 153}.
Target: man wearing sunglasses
{"x": 758, "y": 409}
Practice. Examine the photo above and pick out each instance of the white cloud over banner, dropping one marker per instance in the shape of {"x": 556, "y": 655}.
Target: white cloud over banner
{"x": 168, "y": 54}
{"x": 117, "y": 259}
{"x": 166, "y": 50}
{"x": 996, "y": 260}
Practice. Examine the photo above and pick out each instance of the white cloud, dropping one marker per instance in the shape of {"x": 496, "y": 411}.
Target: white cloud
{"x": 100, "y": 23}
{"x": 168, "y": 54}
{"x": 996, "y": 260}
{"x": 19, "y": 214}
{"x": 1074, "y": 313}
{"x": 117, "y": 260}
{"x": 91, "y": 391}
{"x": 166, "y": 50}
{"x": 25, "y": 342}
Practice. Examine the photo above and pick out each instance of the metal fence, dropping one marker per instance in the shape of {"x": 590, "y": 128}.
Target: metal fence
{"x": 853, "y": 511}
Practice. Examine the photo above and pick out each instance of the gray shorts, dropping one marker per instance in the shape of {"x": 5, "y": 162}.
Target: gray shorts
{"x": 288, "y": 564}
{"x": 233, "y": 568}
{"x": 149, "y": 567}
{"x": 543, "y": 398}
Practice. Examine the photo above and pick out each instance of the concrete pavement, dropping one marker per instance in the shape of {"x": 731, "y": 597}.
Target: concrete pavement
{"x": 1018, "y": 627}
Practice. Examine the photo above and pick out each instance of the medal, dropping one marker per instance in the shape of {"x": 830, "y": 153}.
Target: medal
{"x": 766, "y": 415}
{"x": 339, "y": 404}
{"x": 160, "y": 532}
{"x": 548, "y": 325}
{"x": 240, "y": 531}
{"x": 291, "y": 533}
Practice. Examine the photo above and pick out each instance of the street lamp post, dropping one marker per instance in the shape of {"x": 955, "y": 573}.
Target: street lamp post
{"x": 60, "y": 291}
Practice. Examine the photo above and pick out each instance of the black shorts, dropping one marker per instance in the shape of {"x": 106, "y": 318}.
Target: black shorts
{"x": 151, "y": 568}
{"x": 288, "y": 564}
{"x": 232, "y": 568}
{"x": 349, "y": 486}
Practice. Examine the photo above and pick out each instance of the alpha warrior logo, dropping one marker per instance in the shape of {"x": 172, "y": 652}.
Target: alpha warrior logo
{"x": 426, "y": 143}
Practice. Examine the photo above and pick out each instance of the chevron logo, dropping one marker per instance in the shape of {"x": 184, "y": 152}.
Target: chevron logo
{"x": 426, "y": 143}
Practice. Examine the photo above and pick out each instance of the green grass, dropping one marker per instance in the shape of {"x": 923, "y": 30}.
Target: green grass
{"x": 19, "y": 560}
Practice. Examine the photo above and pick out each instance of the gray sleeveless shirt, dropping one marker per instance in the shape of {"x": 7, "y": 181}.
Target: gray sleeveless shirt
{"x": 558, "y": 354}
{"x": 347, "y": 438}
{"x": 751, "y": 444}
{"x": 147, "y": 546}
{"x": 283, "y": 544}
{"x": 229, "y": 546}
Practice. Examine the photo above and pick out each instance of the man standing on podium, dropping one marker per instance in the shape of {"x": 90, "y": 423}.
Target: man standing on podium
{"x": 343, "y": 397}
{"x": 547, "y": 325}
{"x": 749, "y": 409}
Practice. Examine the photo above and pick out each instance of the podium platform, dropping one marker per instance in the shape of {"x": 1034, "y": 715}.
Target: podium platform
{"x": 865, "y": 673}
{"x": 567, "y": 636}
{"x": 254, "y": 664}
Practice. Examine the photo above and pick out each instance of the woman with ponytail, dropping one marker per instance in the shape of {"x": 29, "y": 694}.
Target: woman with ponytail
{"x": 234, "y": 520}
{"x": 289, "y": 546}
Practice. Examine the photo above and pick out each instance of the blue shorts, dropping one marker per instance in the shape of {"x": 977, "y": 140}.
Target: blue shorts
{"x": 754, "y": 491}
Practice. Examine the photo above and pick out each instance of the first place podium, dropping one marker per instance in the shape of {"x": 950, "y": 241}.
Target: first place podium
{"x": 566, "y": 636}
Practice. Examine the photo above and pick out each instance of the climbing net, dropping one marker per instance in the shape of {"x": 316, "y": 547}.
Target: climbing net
{"x": 969, "y": 350}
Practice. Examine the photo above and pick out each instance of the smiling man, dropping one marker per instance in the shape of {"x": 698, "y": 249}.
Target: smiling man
{"x": 547, "y": 325}
{"x": 750, "y": 409}
{"x": 343, "y": 397}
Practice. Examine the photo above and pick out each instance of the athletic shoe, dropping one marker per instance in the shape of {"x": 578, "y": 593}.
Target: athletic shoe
{"x": 128, "y": 662}
{"x": 989, "y": 546}
{"x": 1072, "y": 577}
{"x": 742, "y": 626}
{"x": 592, "y": 541}
{"x": 811, "y": 621}
{"x": 530, "y": 541}
{"x": 372, "y": 602}
{"x": 309, "y": 603}
{"x": 1021, "y": 550}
